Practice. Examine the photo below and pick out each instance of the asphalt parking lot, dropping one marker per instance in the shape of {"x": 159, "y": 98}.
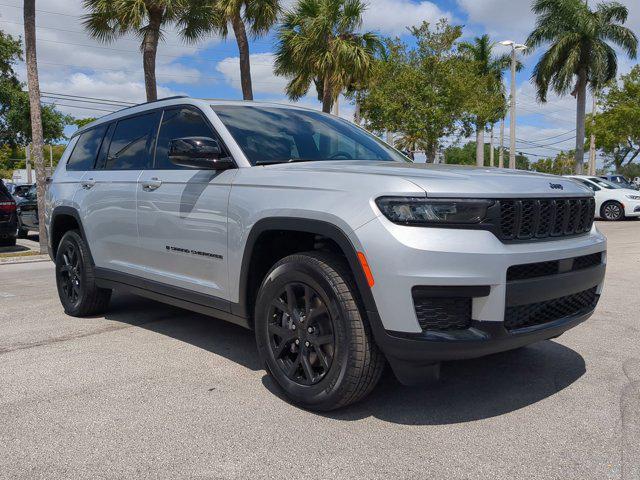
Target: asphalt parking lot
{"x": 151, "y": 391}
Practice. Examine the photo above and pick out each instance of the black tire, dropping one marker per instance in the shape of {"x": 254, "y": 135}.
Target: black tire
{"x": 332, "y": 309}
{"x": 75, "y": 278}
{"x": 612, "y": 211}
{"x": 22, "y": 233}
{"x": 8, "y": 242}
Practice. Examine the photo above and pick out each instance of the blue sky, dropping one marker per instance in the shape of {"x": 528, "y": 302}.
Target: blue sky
{"x": 72, "y": 63}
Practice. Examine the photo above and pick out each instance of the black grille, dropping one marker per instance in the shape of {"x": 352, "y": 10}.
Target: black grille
{"x": 443, "y": 313}
{"x": 530, "y": 219}
{"x": 539, "y": 313}
{"x": 541, "y": 269}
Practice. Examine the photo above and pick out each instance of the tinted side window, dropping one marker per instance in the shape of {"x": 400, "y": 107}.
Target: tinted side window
{"x": 131, "y": 142}
{"x": 178, "y": 123}
{"x": 84, "y": 153}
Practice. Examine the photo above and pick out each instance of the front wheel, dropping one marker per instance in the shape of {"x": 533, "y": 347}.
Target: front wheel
{"x": 75, "y": 278}
{"x": 612, "y": 211}
{"x": 311, "y": 334}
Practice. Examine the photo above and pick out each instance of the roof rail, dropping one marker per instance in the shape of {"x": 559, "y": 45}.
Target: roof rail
{"x": 152, "y": 101}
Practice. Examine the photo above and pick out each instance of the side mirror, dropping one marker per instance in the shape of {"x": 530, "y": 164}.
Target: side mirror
{"x": 203, "y": 153}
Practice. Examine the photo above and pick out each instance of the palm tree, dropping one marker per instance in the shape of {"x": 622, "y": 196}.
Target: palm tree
{"x": 411, "y": 143}
{"x": 489, "y": 68}
{"x": 318, "y": 43}
{"x": 579, "y": 55}
{"x": 35, "y": 110}
{"x": 109, "y": 19}
{"x": 214, "y": 16}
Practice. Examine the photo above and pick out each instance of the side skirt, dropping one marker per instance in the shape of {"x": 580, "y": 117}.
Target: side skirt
{"x": 178, "y": 297}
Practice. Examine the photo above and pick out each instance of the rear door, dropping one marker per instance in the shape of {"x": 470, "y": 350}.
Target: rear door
{"x": 182, "y": 212}
{"x": 108, "y": 196}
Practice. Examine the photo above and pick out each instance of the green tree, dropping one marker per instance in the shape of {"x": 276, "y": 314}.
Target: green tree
{"x": 318, "y": 42}
{"x": 562, "y": 164}
{"x": 420, "y": 88}
{"x": 108, "y": 20}
{"x": 488, "y": 105}
{"x": 617, "y": 127}
{"x": 81, "y": 122}
{"x": 205, "y": 18}
{"x": 579, "y": 55}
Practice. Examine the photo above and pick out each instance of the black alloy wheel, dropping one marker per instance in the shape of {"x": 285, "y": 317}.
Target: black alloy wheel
{"x": 70, "y": 273}
{"x": 301, "y": 334}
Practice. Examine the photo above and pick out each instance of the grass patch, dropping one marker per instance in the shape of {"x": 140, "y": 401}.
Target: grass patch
{"x": 28, "y": 253}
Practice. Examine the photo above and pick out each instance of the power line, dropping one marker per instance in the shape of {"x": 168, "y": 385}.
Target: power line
{"x": 124, "y": 103}
{"x": 76, "y": 106}
{"x": 255, "y": 42}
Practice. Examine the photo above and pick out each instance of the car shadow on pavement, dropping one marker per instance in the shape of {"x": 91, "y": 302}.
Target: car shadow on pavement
{"x": 467, "y": 390}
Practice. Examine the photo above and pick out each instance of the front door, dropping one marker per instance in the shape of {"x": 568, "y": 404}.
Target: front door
{"x": 182, "y": 213}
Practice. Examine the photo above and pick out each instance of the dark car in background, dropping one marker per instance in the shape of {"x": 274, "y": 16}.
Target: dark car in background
{"x": 620, "y": 180}
{"x": 8, "y": 217}
{"x": 21, "y": 190}
{"x": 27, "y": 212}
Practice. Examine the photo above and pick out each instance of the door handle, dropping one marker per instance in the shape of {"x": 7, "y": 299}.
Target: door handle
{"x": 151, "y": 184}
{"x": 88, "y": 183}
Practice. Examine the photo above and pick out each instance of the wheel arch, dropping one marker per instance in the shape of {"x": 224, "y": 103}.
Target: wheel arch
{"x": 63, "y": 219}
{"x": 307, "y": 226}
{"x": 608, "y": 202}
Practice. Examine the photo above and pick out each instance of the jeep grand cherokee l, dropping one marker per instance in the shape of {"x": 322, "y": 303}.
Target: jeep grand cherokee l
{"x": 340, "y": 254}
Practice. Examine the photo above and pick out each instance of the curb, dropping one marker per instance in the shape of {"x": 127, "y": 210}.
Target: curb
{"x": 17, "y": 260}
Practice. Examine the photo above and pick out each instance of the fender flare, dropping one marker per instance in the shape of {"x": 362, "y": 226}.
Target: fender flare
{"x": 69, "y": 212}
{"x": 306, "y": 225}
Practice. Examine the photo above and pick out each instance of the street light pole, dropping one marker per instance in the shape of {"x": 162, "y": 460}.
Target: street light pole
{"x": 512, "y": 115}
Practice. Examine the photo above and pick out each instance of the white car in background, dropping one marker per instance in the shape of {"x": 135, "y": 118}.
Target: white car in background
{"x": 613, "y": 202}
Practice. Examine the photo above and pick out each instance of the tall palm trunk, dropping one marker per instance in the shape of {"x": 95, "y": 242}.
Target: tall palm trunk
{"x": 35, "y": 111}
{"x": 479, "y": 145}
{"x": 581, "y": 97}
{"x": 327, "y": 95}
{"x": 149, "y": 52}
{"x": 491, "y": 151}
{"x": 245, "y": 61}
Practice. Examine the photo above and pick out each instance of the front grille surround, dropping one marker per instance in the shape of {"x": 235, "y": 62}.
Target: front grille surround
{"x": 540, "y": 313}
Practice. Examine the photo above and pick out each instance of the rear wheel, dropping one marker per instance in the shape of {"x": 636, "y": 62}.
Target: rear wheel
{"x": 8, "y": 242}
{"x": 22, "y": 232}
{"x": 75, "y": 278}
{"x": 311, "y": 334}
{"x": 612, "y": 211}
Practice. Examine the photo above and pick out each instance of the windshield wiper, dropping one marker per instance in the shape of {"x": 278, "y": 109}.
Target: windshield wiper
{"x": 291, "y": 160}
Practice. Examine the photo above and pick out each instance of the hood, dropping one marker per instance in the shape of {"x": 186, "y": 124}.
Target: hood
{"x": 455, "y": 180}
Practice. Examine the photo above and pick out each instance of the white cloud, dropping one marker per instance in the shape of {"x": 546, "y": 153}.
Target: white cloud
{"x": 263, "y": 78}
{"x": 392, "y": 17}
{"x": 71, "y": 62}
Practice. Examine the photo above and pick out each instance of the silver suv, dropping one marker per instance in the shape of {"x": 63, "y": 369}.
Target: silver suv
{"x": 338, "y": 252}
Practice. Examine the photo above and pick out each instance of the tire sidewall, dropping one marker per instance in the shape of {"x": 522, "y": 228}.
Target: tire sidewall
{"x": 301, "y": 272}
{"x": 76, "y": 239}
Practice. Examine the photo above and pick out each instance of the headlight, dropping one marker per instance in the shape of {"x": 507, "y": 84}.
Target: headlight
{"x": 633, "y": 197}
{"x": 418, "y": 211}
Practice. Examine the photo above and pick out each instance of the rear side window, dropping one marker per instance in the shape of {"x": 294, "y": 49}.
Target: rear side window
{"x": 84, "y": 153}
{"x": 131, "y": 143}
{"x": 178, "y": 123}
{"x": 4, "y": 192}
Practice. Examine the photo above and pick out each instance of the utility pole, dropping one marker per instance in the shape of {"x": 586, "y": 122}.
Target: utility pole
{"x": 501, "y": 149}
{"x": 592, "y": 141}
{"x": 491, "y": 153}
{"x": 512, "y": 115}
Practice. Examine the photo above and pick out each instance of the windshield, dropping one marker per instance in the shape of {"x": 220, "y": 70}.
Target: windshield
{"x": 269, "y": 135}
{"x": 605, "y": 183}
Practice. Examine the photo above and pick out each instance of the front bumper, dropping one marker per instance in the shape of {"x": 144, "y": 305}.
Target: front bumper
{"x": 402, "y": 258}
{"x": 8, "y": 229}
